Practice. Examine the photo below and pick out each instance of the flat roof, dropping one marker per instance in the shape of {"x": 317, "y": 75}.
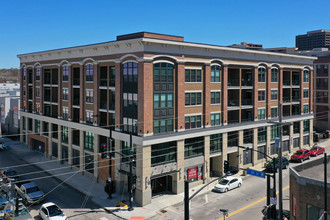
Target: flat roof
{"x": 314, "y": 169}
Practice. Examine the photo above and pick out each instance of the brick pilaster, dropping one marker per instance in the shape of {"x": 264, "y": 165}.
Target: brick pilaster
{"x": 145, "y": 98}
{"x": 21, "y": 89}
{"x": 118, "y": 105}
{"x": 255, "y": 93}
{"x": 34, "y": 90}
{"x": 27, "y": 89}
{"x": 59, "y": 92}
{"x": 180, "y": 97}
{"x": 311, "y": 91}
{"x": 224, "y": 91}
{"x": 96, "y": 97}
{"x": 268, "y": 92}
{"x": 207, "y": 95}
{"x": 82, "y": 93}
{"x": 70, "y": 81}
{"x": 301, "y": 83}
{"x": 42, "y": 91}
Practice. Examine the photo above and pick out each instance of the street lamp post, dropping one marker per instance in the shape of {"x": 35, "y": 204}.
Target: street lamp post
{"x": 274, "y": 171}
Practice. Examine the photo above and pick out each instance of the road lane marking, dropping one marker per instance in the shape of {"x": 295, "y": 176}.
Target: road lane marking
{"x": 252, "y": 204}
{"x": 104, "y": 218}
{"x": 206, "y": 198}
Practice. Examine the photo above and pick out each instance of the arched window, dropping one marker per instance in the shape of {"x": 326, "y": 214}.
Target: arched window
{"x": 274, "y": 75}
{"x": 306, "y": 76}
{"x": 215, "y": 73}
{"x": 261, "y": 74}
{"x": 89, "y": 72}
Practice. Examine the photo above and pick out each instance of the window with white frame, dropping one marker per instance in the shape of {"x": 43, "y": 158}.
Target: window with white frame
{"x": 306, "y": 108}
{"x": 274, "y": 75}
{"x": 274, "y": 94}
{"x": 274, "y": 112}
{"x": 65, "y": 113}
{"x": 215, "y": 97}
{"x": 193, "y": 75}
{"x": 261, "y": 114}
{"x": 306, "y": 95}
{"x": 215, "y": 119}
{"x": 89, "y": 72}
{"x": 38, "y": 73}
{"x": 306, "y": 76}
{"x": 193, "y": 121}
{"x": 215, "y": 73}
{"x": 261, "y": 74}
{"x": 89, "y": 117}
{"x": 65, "y": 94}
{"x": 193, "y": 98}
{"x": 89, "y": 95}
{"x": 261, "y": 95}
{"x": 65, "y": 72}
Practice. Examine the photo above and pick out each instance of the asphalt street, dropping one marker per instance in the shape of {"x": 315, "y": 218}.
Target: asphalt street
{"x": 75, "y": 204}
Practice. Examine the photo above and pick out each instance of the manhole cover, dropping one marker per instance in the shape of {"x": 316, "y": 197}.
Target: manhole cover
{"x": 163, "y": 211}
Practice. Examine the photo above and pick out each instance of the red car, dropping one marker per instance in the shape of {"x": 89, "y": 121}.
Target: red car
{"x": 317, "y": 150}
{"x": 301, "y": 155}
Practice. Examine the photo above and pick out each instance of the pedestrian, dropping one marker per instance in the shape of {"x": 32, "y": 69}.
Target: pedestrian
{"x": 108, "y": 188}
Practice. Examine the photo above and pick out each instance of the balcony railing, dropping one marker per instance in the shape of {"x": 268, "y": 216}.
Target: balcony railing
{"x": 233, "y": 82}
{"x": 295, "y": 99}
{"x": 286, "y": 83}
{"x": 295, "y": 82}
{"x": 246, "y": 119}
{"x": 76, "y": 82}
{"x": 47, "y": 99}
{"x": 47, "y": 81}
{"x": 286, "y": 99}
{"x": 246, "y": 101}
{"x": 76, "y": 101}
{"x": 246, "y": 82}
{"x": 112, "y": 107}
{"x": 103, "y": 105}
{"x": 112, "y": 82}
{"x": 103, "y": 82}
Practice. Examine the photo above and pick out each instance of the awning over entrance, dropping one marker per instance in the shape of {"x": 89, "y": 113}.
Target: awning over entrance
{"x": 164, "y": 174}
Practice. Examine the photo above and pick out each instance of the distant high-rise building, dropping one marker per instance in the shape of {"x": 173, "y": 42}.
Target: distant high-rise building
{"x": 313, "y": 39}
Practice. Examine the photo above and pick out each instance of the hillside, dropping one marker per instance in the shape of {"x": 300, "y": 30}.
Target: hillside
{"x": 9, "y": 75}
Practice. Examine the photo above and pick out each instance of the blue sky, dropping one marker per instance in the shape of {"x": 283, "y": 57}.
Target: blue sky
{"x": 36, "y": 25}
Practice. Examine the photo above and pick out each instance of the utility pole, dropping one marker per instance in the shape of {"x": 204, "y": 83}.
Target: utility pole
{"x": 280, "y": 162}
{"x": 186, "y": 199}
{"x": 130, "y": 188}
{"x": 325, "y": 187}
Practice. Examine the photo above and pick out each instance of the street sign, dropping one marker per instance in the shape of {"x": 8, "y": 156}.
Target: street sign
{"x": 277, "y": 143}
{"x": 256, "y": 173}
{"x": 6, "y": 210}
{"x": 273, "y": 200}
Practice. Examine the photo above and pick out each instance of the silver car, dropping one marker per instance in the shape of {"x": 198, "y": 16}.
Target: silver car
{"x": 228, "y": 183}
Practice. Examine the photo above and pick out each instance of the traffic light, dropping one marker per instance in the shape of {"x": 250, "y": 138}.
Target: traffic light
{"x": 226, "y": 166}
{"x": 18, "y": 205}
{"x": 104, "y": 150}
{"x": 134, "y": 182}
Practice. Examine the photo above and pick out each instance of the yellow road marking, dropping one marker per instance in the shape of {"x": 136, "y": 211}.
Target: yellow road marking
{"x": 252, "y": 204}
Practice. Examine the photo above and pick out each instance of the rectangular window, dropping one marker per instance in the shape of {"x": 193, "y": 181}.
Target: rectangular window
{"x": 274, "y": 113}
{"x": 306, "y": 108}
{"x": 37, "y": 92}
{"x": 261, "y": 114}
{"x": 306, "y": 76}
{"x": 163, "y": 153}
{"x": 215, "y": 97}
{"x": 65, "y": 113}
{"x": 37, "y": 126}
{"x": 163, "y": 100}
{"x": 193, "y": 147}
{"x": 163, "y": 126}
{"x": 216, "y": 143}
{"x": 306, "y": 91}
{"x": 261, "y": 75}
{"x": 64, "y": 134}
{"x": 65, "y": 73}
{"x": 262, "y": 131}
{"x": 89, "y": 141}
{"x": 274, "y": 96}
{"x": 193, "y": 75}
{"x": 247, "y": 156}
{"x": 215, "y": 119}
{"x": 306, "y": 126}
{"x": 261, "y": 95}
{"x": 215, "y": 73}
{"x": 89, "y": 72}
{"x": 89, "y": 95}
{"x": 193, "y": 122}
{"x": 38, "y": 74}
{"x": 273, "y": 132}
{"x": 65, "y": 94}
{"x": 274, "y": 74}
{"x": 193, "y": 98}
{"x": 262, "y": 152}
{"x": 89, "y": 117}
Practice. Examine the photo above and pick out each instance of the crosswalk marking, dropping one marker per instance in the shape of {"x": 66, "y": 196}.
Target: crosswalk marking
{"x": 104, "y": 218}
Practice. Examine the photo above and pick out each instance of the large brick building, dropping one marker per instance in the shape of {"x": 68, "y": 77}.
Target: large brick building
{"x": 188, "y": 105}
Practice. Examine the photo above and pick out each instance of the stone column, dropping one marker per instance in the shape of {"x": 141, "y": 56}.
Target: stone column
{"x": 207, "y": 95}
{"x": 291, "y": 138}
{"x": 224, "y": 155}
{"x": 143, "y": 173}
{"x": 311, "y": 92}
{"x": 70, "y": 82}
{"x": 96, "y": 151}
{"x": 96, "y": 98}
{"x": 224, "y": 100}
{"x": 255, "y": 94}
{"x": 82, "y": 94}
{"x": 59, "y": 145}
{"x": 145, "y": 98}
{"x": 206, "y": 167}
{"x": 70, "y": 145}
{"x": 50, "y": 143}
{"x": 239, "y": 155}
{"x": 301, "y": 127}
{"x": 255, "y": 146}
{"x": 116, "y": 167}
{"x": 82, "y": 153}
{"x": 177, "y": 182}
{"x": 119, "y": 89}
{"x": 311, "y": 142}
{"x": 59, "y": 92}
{"x": 268, "y": 138}
{"x": 34, "y": 126}
{"x": 41, "y": 91}
{"x": 180, "y": 97}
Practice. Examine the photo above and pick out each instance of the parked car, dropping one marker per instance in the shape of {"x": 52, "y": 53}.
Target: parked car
{"x": 29, "y": 192}
{"x": 9, "y": 175}
{"x": 3, "y": 147}
{"x": 228, "y": 183}
{"x": 301, "y": 155}
{"x": 50, "y": 211}
{"x": 270, "y": 164}
{"x": 317, "y": 150}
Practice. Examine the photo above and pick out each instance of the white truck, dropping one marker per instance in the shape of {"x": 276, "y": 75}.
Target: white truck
{"x": 29, "y": 192}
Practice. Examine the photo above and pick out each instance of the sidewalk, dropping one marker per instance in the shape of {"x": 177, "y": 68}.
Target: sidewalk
{"x": 98, "y": 196}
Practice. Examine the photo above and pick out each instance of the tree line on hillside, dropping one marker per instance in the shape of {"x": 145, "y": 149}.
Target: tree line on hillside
{"x": 9, "y": 75}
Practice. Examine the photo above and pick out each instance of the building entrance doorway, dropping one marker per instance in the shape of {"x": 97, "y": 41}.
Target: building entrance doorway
{"x": 38, "y": 145}
{"x": 161, "y": 185}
